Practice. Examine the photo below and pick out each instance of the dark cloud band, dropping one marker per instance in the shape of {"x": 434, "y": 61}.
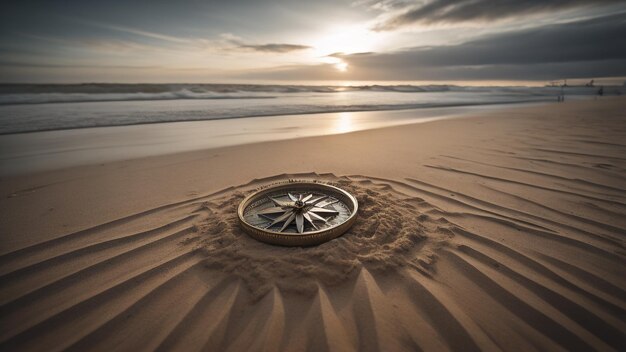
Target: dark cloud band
{"x": 274, "y": 48}
{"x": 454, "y": 11}
{"x": 574, "y": 50}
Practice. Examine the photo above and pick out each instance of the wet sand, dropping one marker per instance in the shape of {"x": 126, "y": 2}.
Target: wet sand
{"x": 503, "y": 231}
{"x": 52, "y": 150}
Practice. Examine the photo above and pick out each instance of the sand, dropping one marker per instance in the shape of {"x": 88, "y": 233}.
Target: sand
{"x": 500, "y": 231}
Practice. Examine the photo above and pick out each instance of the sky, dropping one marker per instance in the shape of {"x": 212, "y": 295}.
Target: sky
{"x": 205, "y": 41}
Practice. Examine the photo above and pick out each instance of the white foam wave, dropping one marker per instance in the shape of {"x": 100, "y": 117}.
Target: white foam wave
{"x": 44, "y": 98}
{"x": 13, "y": 94}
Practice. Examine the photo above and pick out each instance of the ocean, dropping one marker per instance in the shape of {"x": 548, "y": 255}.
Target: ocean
{"x": 30, "y": 108}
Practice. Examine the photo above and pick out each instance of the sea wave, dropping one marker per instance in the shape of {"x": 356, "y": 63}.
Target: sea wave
{"x": 99, "y": 88}
{"x": 49, "y": 98}
{"x": 18, "y": 94}
{"x": 12, "y": 94}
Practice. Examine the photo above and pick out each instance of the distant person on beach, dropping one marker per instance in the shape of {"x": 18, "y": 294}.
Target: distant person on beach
{"x": 601, "y": 91}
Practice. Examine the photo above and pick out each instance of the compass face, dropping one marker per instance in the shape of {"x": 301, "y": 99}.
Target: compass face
{"x": 297, "y": 213}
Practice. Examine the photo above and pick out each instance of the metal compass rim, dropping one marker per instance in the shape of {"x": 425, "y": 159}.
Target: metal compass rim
{"x": 305, "y": 238}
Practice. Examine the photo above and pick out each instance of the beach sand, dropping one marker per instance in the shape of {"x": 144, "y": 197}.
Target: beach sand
{"x": 501, "y": 231}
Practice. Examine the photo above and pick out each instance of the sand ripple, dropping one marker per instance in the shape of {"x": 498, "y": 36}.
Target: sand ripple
{"x": 425, "y": 267}
{"x": 392, "y": 230}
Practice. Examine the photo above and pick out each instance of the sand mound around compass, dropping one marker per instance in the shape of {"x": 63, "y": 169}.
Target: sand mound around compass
{"x": 392, "y": 230}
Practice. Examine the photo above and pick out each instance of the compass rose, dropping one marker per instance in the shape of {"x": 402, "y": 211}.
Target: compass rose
{"x": 301, "y": 208}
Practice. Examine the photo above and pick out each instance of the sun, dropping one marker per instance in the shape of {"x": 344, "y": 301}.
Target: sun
{"x": 335, "y": 62}
{"x": 347, "y": 39}
{"x": 341, "y": 66}
{"x": 339, "y": 40}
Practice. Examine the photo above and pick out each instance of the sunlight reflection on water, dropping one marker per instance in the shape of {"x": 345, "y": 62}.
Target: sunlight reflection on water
{"x": 343, "y": 123}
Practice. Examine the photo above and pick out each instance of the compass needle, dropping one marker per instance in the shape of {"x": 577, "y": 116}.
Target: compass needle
{"x": 326, "y": 203}
{"x": 300, "y": 223}
{"x": 317, "y": 217}
{"x": 280, "y": 218}
{"x": 272, "y": 210}
{"x": 307, "y": 216}
{"x": 287, "y": 222}
{"x": 316, "y": 200}
{"x": 323, "y": 210}
{"x": 280, "y": 203}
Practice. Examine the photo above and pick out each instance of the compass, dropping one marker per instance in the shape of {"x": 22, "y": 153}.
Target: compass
{"x": 297, "y": 213}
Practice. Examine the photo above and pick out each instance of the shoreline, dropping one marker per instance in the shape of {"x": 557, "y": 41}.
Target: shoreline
{"x": 417, "y": 107}
{"x": 57, "y": 149}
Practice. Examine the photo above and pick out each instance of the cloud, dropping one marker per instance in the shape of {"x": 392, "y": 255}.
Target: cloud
{"x": 588, "y": 40}
{"x": 574, "y": 50}
{"x": 274, "y": 48}
{"x": 134, "y": 31}
{"x": 225, "y": 42}
{"x": 384, "y": 5}
{"x": 454, "y": 11}
{"x": 239, "y": 43}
